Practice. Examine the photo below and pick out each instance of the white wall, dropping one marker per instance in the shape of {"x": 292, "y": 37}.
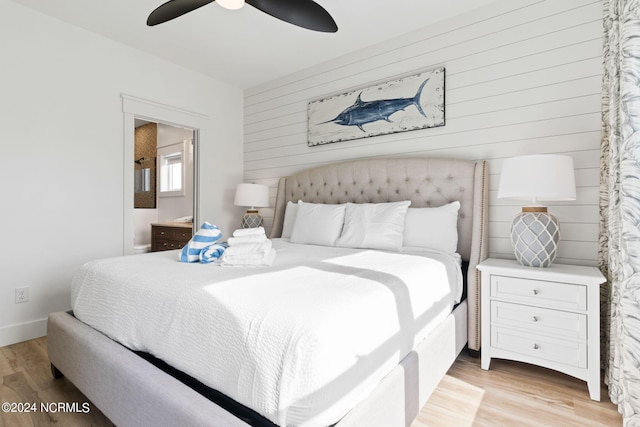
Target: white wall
{"x": 61, "y": 164}
{"x": 142, "y": 219}
{"x": 522, "y": 77}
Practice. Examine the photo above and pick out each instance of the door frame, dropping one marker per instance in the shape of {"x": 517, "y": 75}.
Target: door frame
{"x": 134, "y": 107}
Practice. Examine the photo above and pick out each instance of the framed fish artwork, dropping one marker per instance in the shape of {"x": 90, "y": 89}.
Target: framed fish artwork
{"x": 407, "y": 103}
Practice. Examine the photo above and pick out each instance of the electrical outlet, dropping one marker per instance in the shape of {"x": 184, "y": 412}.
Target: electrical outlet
{"x": 22, "y": 294}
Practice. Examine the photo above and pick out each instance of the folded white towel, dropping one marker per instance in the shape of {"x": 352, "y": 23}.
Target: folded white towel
{"x": 248, "y": 260}
{"x": 250, "y": 248}
{"x": 248, "y": 231}
{"x": 243, "y": 240}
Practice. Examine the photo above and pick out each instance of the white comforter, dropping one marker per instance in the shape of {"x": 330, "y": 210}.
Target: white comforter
{"x": 300, "y": 342}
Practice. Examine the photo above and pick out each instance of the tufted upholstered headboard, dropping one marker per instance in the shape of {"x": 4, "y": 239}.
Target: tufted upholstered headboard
{"x": 427, "y": 182}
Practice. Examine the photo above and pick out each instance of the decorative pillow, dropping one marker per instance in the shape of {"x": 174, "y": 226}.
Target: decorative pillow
{"x": 317, "y": 224}
{"x": 207, "y": 235}
{"x": 374, "y": 225}
{"x": 433, "y": 228}
{"x": 290, "y": 213}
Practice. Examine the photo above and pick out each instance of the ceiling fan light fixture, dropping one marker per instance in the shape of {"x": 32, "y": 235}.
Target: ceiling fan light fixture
{"x": 302, "y": 13}
{"x": 231, "y": 4}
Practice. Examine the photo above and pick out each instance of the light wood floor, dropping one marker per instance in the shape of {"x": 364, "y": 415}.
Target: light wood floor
{"x": 513, "y": 394}
{"x": 510, "y": 394}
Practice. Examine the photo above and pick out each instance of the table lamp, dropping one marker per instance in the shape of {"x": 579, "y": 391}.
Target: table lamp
{"x": 253, "y": 196}
{"x": 535, "y": 233}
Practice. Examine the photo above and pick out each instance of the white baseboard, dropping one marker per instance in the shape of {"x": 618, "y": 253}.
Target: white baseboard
{"x": 23, "y": 332}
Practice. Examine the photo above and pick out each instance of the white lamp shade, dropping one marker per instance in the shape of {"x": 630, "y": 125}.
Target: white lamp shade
{"x": 538, "y": 177}
{"x": 253, "y": 195}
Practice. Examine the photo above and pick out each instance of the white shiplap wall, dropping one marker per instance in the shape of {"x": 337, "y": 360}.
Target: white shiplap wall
{"x": 522, "y": 77}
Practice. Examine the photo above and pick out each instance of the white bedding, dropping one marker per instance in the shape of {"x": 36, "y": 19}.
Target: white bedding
{"x": 300, "y": 342}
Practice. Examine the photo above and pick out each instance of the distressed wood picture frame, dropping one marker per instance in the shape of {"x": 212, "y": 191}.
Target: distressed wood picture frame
{"x": 404, "y": 104}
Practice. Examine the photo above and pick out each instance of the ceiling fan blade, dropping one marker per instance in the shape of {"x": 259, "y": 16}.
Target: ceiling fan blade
{"x": 173, "y": 9}
{"x": 303, "y": 13}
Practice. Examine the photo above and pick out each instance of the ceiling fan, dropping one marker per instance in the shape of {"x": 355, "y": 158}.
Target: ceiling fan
{"x": 303, "y": 13}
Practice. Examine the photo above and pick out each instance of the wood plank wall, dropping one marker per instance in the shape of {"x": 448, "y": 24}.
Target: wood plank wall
{"x": 522, "y": 77}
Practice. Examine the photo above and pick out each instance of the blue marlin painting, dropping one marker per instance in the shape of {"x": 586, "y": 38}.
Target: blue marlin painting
{"x": 363, "y": 112}
{"x": 405, "y": 104}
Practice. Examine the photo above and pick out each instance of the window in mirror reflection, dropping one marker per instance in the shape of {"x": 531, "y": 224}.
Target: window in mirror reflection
{"x": 171, "y": 160}
{"x": 171, "y": 172}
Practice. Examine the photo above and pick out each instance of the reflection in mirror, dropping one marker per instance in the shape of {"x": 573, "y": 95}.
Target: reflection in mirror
{"x": 143, "y": 180}
{"x": 146, "y": 143}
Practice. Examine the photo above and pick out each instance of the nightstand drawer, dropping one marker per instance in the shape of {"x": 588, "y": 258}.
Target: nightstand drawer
{"x": 172, "y": 233}
{"x": 540, "y": 320}
{"x": 182, "y": 234}
{"x": 567, "y": 352}
{"x": 167, "y": 245}
{"x": 539, "y": 293}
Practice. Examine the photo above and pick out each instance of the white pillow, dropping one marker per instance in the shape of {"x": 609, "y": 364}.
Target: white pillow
{"x": 433, "y": 228}
{"x": 317, "y": 224}
{"x": 290, "y": 213}
{"x": 374, "y": 225}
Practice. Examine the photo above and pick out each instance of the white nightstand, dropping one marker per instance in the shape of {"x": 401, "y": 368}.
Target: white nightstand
{"x": 545, "y": 316}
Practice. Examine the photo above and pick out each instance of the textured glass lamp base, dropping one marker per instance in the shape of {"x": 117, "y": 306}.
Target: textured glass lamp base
{"x": 535, "y": 235}
{"x": 251, "y": 219}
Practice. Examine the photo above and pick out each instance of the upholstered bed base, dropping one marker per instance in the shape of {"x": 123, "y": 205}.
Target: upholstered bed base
{"x": 130, "y": 391}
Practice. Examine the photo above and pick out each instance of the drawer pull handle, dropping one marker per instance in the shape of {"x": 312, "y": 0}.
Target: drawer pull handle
{"x": 534, "y": 319}
{"x": 534, "y": 291}
{"x": 536, "y": 346}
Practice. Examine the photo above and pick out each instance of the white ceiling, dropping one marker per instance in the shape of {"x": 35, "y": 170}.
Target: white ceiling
{"x": 247, "y": 47}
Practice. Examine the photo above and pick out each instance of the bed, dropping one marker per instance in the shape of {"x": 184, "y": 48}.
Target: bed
{"x": 135, "y": 389}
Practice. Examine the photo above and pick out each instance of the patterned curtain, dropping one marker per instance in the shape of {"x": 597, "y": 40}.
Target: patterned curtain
{"x": 619, "y": 243}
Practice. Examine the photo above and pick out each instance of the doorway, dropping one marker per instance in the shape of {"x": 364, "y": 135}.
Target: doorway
{"x": 163, "y": 181}
{"x": 181, "y": 133}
